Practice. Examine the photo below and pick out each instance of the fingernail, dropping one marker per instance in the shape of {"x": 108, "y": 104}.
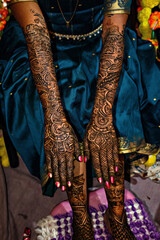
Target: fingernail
{"x": 80, "y": 158}
{"x": 58, "y": 184}
{"x": 85, "y": 159}
{"x": 112, "y": 180}
{"x": 116, "y": 169}
{"x": 100, "y": 180}
{"x": 50, "y": 175}
{"x": 107, "y": 184}
{"x": 69, "y": 184}
{"x": 63, "y": 188}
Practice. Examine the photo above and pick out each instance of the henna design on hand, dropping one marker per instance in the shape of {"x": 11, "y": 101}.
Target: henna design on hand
{"x": 61, "y": 143}
{"x": 100, "y": 137}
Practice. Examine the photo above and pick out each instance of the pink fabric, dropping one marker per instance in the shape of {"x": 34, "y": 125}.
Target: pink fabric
{"x": 96, "y": 198}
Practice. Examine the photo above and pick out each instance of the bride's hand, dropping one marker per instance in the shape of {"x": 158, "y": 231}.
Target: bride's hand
{"x": 61, "y": 147}
{"x": 100, "y": 142}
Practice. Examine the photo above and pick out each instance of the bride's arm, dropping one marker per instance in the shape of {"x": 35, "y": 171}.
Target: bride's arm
{"x": 60, "y": 140}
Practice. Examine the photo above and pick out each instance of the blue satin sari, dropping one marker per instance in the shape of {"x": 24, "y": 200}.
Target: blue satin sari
{"x": 76, "y": 52}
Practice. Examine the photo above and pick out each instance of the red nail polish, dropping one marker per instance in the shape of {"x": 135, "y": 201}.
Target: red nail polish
{"x": 80, "y": 158}
{"x": 63, "y": 188}
{"x": 116, "y": 169}
{"x": 58, "y": 184}
{"x": 50, "y": 175}
{"x": 107, "y": 184}
{"x": 85, "y": 159}
{"x": 112, "y": 180}
{"x": 100, "y": 180}
{"x": 69, "y": 184}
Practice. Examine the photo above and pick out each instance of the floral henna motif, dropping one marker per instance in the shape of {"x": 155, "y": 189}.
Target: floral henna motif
{"x": 61, "y": 143}
{"x": 115, "y": 217}
{"x": 118, "y": 228}
{"x": 82, "y": 227}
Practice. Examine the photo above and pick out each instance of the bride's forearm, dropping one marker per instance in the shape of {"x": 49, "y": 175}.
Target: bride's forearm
{"x": 110, "y": 62}
{"x": 40, "y": 56}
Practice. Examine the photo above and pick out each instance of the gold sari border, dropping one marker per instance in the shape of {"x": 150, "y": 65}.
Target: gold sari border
{"x": 140, "y": 147}
{"x": 129, "y": 150}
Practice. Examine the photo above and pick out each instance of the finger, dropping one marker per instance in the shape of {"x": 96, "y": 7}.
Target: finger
{"x": 115, "y": 155}
{"x": 62, "y": 170}
{"x": 110, "y": 161}
{"x": 104, "y": 164}
{"x": 77, "y": 150}
{"x": 120, "y": 172}
{"x": 55, "y": 169}
{"x": 86, "y": 148}
{"x": 69, "y": 162}
{"x": 49, "y": 164}
{"x": 96, "y": 162}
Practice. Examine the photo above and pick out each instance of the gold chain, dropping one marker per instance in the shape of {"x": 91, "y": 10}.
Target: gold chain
{"x": 75, "y": 9}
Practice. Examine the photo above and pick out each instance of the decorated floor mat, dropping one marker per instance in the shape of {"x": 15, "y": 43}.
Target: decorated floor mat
{"x": 59, "y": 227}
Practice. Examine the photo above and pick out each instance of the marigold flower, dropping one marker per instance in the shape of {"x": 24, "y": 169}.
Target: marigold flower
{"x": 153, "y": 41}
{"x": 3, "y": 13}
{"x": 150, "y": 3}
{"x": 154, "y": 20}
{"x": 145, "y": 30}
{"x": 144, "y": 14}
{"x": 139, "y": 9}
{"x": 2, "y": 24}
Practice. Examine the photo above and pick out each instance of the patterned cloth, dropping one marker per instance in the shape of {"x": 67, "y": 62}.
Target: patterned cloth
{"x": 59, "y": 227}
{"x": 153, "y": 172}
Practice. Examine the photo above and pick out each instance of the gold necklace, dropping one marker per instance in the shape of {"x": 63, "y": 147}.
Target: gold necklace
{"x": 68, "y": 21}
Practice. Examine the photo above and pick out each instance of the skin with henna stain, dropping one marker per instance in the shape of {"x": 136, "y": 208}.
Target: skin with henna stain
{"x": 77, "y": 195}
{"x": 100, "y": 136}
{"x": 60, "y": 142}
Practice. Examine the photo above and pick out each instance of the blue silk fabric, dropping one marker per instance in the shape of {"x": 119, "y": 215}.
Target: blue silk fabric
{"x": 137, "y": 102}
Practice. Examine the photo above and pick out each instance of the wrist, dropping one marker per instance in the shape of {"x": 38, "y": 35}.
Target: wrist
{"x": 54, "y": 111}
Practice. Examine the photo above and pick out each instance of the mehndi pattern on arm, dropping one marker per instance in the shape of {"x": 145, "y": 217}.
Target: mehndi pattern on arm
{"x": 60, "y": 140}
{"x": 101, "y": 132}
